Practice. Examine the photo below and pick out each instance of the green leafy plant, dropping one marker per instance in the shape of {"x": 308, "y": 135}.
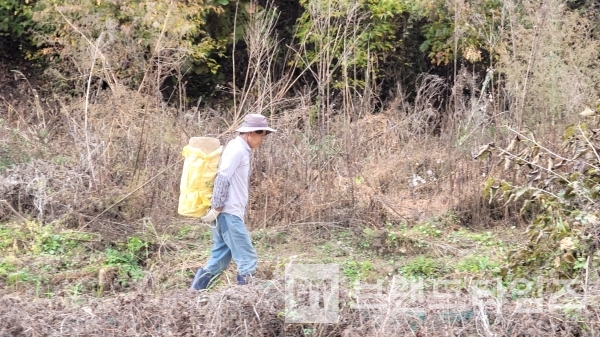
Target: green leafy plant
{"x": 558, "y": 193}
{"x": 6, "y": 269}
{"x": 19, "y": 276}
{"x": 380, "y": 21}
{"x": 15, "y": 17}
{"x": 355, "y": 270}
{"x": 367, "y": 238}
{"x": 429, "y": 229}
{"x": 477, "y": 264}
{"x": 421, "y": 266}
{"x": 454, "y": 29}
{"x": 485, "y": 239}
{"x": 6, "y": 238}
{"x": 128, "y": 260}
{"x": 48, "y": 240}
{"x": 128, "y": 39}
{"x": 184, "y": 231}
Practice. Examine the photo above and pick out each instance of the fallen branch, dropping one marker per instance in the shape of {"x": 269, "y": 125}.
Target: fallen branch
{"x": 14, "y": 211}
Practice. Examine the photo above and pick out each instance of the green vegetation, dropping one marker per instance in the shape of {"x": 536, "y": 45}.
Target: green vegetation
{"x": 422, "y": 266}
{"x": 558, "y": 196}
{"x": 370, "y": 28}
{"x": 18, "y": 277}
{"x": 15, "y": 17}
{"x": 478, "y": 264}
{"x": 37, "y": 238}
{"x": 360, "y": 42}
{"x": 127, "y": 259}
{"x": 56, "y": 251}
{"x": 6, "y": 268}
{"x": 356, "y": 270}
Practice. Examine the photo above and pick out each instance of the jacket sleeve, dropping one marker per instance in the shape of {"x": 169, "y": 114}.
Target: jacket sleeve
{"x": 220, "y": 191}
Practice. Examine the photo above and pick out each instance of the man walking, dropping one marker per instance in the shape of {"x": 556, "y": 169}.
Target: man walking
{"x": 230, "y": 197}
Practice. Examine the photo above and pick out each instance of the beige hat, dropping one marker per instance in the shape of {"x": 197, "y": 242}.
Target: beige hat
{"x": 255, "y": 122}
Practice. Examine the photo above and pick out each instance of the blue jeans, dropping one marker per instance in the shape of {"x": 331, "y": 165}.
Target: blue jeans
{"x": 231, "y": 240}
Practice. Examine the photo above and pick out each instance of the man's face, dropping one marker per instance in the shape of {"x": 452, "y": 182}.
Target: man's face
{"x": 255, "y": 138}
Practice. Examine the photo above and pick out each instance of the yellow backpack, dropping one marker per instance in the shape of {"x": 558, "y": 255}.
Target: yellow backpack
{"x": 200, "y": 167}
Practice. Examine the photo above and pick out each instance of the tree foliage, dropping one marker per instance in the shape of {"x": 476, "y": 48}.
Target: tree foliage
{"x": 15, "y": 17}
{"x": 389, "y": 41}
{"x": 134, "y": 32}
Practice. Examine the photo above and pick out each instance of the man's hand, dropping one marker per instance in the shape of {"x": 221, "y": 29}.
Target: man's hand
{"x": 210, "y": 216}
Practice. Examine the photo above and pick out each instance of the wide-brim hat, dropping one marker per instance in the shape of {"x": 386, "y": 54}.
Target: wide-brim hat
{"x": 255, "y": 122}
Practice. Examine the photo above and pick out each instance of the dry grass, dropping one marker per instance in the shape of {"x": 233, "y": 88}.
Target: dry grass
{"x": 549, "y": 61}
{"x": 111, "y": 155}
{"x": 259, "y": 310}
{"x": 364, "y": 172}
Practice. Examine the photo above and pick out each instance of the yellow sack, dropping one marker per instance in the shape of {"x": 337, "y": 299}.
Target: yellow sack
{"x": 200, "y": 167}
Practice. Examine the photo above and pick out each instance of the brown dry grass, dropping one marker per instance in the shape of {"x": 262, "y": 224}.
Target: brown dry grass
{"x": 258, "y": 311}
{"x": 349, "y": 173}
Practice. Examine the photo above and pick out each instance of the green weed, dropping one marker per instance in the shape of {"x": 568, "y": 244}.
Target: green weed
{"x": 355, "y": 270}
{"x": 477, "y": 264}
{"x": 18, "y": 277}
{"x": 184, "y": 231}
{"x": 429, "y": 229}
{"x": 54, "y": 244}
{"x": 422, "y": 266}
{"x": 327, "y": 260}
{"x": 76, "y": 289}
{"x": 327, "y": 248}
{"x": 326, "y": 147}
{"x": 368, "y": 236}
{"x": 486, "y": 239}
{"x": 6, "y": 268}
{"x": 344, "y": 235}
{"x": 7, "y": 236}
{"x": 127, "y": 260}
{"x": 137, "y": 246}
{"x": 38, "y": 238}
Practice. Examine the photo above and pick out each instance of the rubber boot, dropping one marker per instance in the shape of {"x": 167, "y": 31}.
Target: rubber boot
{"x": 201, "y": 279}
{"x": 244, "y": 280}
